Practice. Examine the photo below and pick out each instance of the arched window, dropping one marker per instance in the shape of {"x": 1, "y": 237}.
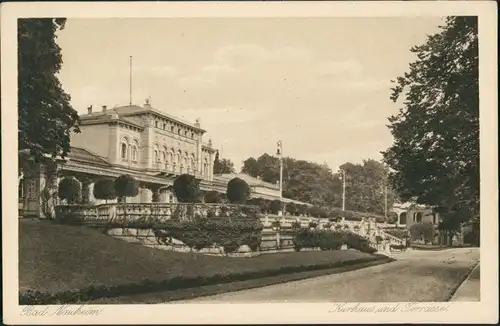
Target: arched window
{"x": 177, "y": 160}
{"x": 170, "y": 159}
{"x": 418, "y": 217}
{"x": 192, "y": 164}
{"x": 164, "y": 156}
{"x": 124, "y": 151}
{"x": 135, "y": 151}
{"x": 185, "y": 163}
{"x": 402, "y": 218}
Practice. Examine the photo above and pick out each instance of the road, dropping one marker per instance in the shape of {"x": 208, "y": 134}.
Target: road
{"x": 416, "y": 276}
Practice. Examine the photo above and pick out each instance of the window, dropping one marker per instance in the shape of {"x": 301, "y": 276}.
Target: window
{"x": 179, "y": 131}
{"x": 164, "y": 156}
{"x": 172, "y": 129}
{"x": 135, "y": 151}
{"x": 192, "y": 135}
{"x": 155, "y": 156}
{"x": 124, "y": 151}
{"x": 185, "y": 133}
{"x": 164, "y": 126}
{"x": 156, "y": 124}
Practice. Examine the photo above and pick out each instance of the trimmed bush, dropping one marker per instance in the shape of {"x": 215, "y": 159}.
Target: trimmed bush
{"x": 70, "y": 190}
{"x": 105, "y": 189}
{"x": 330, "y": 240}
{"x": 238, "y": 191}
{"x": 275, "y": 206}
{"x": 212, "y": 197}
{"x": 126, "y": 186}
{"x": 186, "y": 188}
{"x": 291, "y": 208}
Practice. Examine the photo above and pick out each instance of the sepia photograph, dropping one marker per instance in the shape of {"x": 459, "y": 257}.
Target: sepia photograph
{"x": 184, "y": 160}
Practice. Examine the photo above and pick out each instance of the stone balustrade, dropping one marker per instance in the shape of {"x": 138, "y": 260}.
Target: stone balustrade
{"x": 130, "y": 213}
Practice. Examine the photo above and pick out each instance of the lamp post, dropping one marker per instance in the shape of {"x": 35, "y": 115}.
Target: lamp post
{"x": 279, "y": 153}
{"x": 343, "y": 187}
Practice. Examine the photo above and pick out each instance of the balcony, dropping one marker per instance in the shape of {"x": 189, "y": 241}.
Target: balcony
{"x": 168, "y": 169}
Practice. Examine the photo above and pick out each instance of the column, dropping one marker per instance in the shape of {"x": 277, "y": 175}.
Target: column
{"x": 85, "y": 190}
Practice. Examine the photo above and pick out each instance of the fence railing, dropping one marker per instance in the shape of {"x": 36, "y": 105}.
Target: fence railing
{"x": 130, "y": 212}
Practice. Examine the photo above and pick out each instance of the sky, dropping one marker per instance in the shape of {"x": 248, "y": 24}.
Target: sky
{"x": 321, "y": 85}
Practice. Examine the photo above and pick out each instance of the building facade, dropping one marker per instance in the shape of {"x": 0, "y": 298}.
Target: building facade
{"x": 143, "y": 142}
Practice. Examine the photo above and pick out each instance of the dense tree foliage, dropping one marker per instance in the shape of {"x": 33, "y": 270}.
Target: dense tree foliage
{"x": 187, "y": 188}
{"x": 435, "y": 153}
{"x": 319, "y": 185}
{"x": 46, "y": 117}
{"x": 238, "y": 191}
{"x": 222, "y": 166}
{"x": 70, "y": 190}
{"x": 126, "y": 186}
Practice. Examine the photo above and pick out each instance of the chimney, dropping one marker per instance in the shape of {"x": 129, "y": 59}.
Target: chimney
{"x": 89, "y": 109}
{"x": 104, "y": 107}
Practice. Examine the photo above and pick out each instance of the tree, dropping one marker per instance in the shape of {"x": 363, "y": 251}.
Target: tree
{"x": 435, "y": 155}
{"x": 223, "y": 166}
{"x": 46, "y": 118}
{"x": 186, "y": 188}
{"x": 126, "y": 186}
{"x": 105, "y": 189}
{"x": 212, "y": 197}
{"x": 70, "y": 190}
{"x": 251, "y": 167}
{"x": 238, "y": 191}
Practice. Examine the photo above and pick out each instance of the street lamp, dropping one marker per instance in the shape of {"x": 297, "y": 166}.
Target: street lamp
{"x": 343, "y": 177}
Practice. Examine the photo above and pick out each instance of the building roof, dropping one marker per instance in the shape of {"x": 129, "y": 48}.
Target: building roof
{"x": 84, "y": 155}
{"x": 252, "y": 182}
{"x": 123, "y": 113}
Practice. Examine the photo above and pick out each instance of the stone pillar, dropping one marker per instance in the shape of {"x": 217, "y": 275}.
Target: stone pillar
{"x": 86, "y": 191}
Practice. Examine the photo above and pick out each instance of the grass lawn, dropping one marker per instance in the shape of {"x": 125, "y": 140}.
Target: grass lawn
{"x": 55, "y": 258}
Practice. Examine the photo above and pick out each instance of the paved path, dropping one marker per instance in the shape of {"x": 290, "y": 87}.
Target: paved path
{"x": 416, "y": 276}
{"x": 469, "y": 291}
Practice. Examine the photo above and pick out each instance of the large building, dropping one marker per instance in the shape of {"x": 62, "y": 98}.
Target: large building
{"x": 146, "y": 143}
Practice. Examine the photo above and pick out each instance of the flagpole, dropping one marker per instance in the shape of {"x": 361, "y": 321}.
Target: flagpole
{"x": 130, "y": 81}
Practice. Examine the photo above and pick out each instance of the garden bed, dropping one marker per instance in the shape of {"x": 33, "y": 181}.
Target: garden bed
{"x": 67, "y": 264}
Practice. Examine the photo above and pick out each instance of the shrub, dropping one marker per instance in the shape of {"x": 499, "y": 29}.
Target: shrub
{"x": 291, "y": 208}
{"x": 237, "y": 191}
{"x": 423, "y": 231}
{"x": 472, "y": 237}
{"x": 70, "y": 190}
{"x": 313, "y": 224}
{"x": 295, "y": 225}
{"x": 275, "y": 206}
{"x": 357, "y": 242}
{"x": 105, "y": 189}
{"x": 225, "y": 232}
{"x": 212, "y": 197}
{"x": 126, "y": 186}
{"x": 379, "y": 239}
{"x": 314, "y": 211}
{"x": 330, "y": 240}
{"x": 186, "y": 188}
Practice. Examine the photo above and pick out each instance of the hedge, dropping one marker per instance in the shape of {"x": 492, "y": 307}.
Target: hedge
{"x": 330, "y": 240}
{"x": 96, "y": 292}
